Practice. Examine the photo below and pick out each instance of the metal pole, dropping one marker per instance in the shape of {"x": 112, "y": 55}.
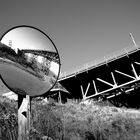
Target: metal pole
{"x": 133, "y": 39}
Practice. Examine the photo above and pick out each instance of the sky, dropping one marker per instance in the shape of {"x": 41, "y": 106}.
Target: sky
{"x": 27, "y": 38}
{"x": 82, "y": 30}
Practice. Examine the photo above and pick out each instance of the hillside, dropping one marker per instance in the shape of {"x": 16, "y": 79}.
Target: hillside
{"x": 72, "y": 121}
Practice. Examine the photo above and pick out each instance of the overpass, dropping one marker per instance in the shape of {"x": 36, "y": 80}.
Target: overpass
{"x": 116, "y": 75}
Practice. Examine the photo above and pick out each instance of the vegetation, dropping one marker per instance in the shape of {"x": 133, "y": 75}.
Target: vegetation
{"x": 32, "y": 65}
{"x": 72, "y": 121}
{"x": 8, "y": 119}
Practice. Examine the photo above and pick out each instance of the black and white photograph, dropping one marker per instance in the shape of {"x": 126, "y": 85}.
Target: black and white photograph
{"x": 70, "y": 70}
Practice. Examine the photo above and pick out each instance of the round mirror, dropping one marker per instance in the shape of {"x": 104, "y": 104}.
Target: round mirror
{"x": 29, "y": 61}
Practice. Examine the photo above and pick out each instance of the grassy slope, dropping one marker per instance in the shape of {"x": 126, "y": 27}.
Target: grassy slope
{"x": 74, "y": 121}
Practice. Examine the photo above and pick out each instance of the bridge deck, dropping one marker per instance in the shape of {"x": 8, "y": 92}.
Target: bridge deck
{"x": 111, "y": 76}
{"x": 100, "y": 61}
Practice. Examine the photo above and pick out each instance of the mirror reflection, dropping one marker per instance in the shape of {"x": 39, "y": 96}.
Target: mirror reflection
{"x": 29, "y": 61}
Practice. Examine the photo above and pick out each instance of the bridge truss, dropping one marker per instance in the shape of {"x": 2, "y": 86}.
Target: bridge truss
{"x": 112, "y": 78}
{"x": 52, "y": 56}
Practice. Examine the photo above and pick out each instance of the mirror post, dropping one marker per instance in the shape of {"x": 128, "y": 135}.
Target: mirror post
{"x": 28, "y": 116}
{"x": 24, "y": 117}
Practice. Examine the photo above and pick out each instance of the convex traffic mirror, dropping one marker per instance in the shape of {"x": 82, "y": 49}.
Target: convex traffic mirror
{"x": 29, "y": 61}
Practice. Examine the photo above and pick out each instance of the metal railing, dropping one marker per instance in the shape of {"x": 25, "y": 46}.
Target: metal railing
{"x": 100, "y": 61}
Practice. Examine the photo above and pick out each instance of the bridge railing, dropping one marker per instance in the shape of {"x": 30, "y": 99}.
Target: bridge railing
{"x": 100, "y": 61}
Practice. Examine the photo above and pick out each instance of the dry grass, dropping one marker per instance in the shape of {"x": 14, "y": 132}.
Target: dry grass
{"x": 73, "y": 121}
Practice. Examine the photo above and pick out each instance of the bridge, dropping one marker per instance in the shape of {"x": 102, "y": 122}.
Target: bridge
{"x": 115, "y": 78}
{"x": 52, "y": 56}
